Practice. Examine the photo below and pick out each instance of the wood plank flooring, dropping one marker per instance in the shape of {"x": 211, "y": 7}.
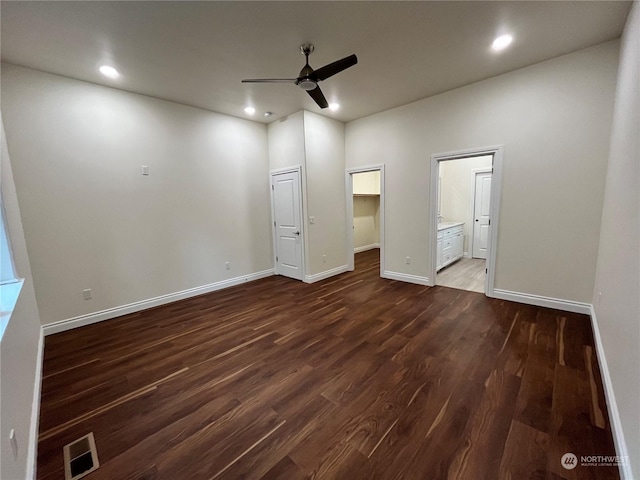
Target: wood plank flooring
{"x": 355, "y": 377}
{"x": 465, "y": 274}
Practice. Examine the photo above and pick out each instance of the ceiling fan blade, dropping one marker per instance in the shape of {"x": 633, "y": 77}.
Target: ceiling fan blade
{"x": 270, "y": 80}
{"x": 318, "y": 96}
{"x": 336, "y": 67}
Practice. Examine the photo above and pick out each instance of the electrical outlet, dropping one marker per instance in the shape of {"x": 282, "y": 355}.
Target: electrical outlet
{"x": 407, "y": 260}
{"x": 145, "y": 170}
{"x": 86, "y": 294}
{"x": 312, "y": 220}
{"x": 227, "y": 266}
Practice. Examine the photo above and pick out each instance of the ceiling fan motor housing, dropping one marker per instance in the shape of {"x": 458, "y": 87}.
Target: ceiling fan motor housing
{"x": 304, "y": 81}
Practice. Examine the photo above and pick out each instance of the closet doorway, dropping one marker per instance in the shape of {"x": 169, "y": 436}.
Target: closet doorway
{"x": 365, "y": 217}
{"x": 463, "y": 219}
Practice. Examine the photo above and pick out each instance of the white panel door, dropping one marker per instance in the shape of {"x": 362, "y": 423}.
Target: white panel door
{"x": 481, "y": 215}
{"x": 287, "y": 217}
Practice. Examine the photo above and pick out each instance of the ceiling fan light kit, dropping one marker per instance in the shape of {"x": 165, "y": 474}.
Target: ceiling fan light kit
{"x": 308, "y": 78}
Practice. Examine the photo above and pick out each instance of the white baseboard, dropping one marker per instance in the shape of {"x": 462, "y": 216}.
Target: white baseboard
{"x": 88, "y": 319}
{"x": 32, "y": 453}
{"x": 405, "y": 277}
{"x": 612, "y": 406}
{"x": 366, "y": 247}
{"x": 540, "y": 301}
{"x": 326, "y": 274}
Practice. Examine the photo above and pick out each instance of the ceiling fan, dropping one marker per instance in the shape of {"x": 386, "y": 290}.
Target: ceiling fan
{"x": 309, "y": 78}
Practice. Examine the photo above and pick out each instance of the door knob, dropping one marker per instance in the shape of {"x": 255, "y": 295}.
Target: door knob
{"x": 296, "y": 233}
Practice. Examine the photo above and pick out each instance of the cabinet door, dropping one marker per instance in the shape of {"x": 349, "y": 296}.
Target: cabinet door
{"x": 458, "y": 245}
{"x": 439, "y": 256}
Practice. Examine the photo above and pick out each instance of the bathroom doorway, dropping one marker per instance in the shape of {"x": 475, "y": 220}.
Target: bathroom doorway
{"x": 463, "y": 219}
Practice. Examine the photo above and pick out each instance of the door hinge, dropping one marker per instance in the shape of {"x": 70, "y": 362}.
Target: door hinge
{"x": 276, "y": 259}
{"x": 486, "y": 270}
{"x": 272, "y": 187}
{"x": 489, "y": 221}
{"x": 274, "y": 223}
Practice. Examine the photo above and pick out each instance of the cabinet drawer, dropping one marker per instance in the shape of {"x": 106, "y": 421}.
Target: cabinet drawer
{"x": 448, "y": 232}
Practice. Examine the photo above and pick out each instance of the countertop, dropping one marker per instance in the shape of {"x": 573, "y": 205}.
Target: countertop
{"x": 445, "y": 225}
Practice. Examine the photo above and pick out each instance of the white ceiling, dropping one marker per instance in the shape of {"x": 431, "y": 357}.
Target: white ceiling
{"x": 196, "y": 53}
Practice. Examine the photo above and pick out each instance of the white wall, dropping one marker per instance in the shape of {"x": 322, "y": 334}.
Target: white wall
{"x": 20, "y": 347}
{"x": 91, "y": 219}
{"x": 286, "y": 142}
{"x": 366, "y": 221}
{"x": 616, "y": 297}
{"x": 326, "y": 197}
{"x": 553, "y": 119}
{"x": 457, "y": 189}
{"x": 316, "y": 143}
{"x": 366, "y": 210}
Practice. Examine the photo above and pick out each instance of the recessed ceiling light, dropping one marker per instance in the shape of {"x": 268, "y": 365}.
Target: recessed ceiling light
{"x": 502, "y": 42}
{"x": 334, "y": 106}
{"x": 109, "y": 71}
{"x": 249, "y": 110}
{"x": 267, "y": 114}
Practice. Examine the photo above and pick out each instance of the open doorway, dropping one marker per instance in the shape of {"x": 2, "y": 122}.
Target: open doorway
{"x": 365, "y": 217}
{"x": 463, "y": 214}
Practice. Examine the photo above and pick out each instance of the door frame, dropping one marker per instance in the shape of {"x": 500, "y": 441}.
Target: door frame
{"x": 472, "y": 208}
{"x": 349, "y": 191}
{"x": 496, "y": 187}
{"x": 272, "y": 173}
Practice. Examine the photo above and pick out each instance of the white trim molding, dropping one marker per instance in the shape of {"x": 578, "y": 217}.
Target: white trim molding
{"x": 88, "y": 319}
{"x": 32, "y": 453}
{"x": 540, "y": 301}
{"x": 612, "y": 406}
{"x": 326, "y": 274}
{"x": 366, "y": 247}
{"x": 405, "y": 277}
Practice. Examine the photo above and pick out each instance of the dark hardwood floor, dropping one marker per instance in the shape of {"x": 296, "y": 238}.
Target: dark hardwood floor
{"x": 355, "y": 377}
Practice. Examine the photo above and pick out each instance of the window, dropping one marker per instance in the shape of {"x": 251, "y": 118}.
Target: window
{"x": 7, "y": 270}
{"x": 10, "y": 285}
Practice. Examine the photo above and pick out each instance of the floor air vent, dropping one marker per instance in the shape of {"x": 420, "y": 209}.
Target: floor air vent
{"x": 80, "y": 457}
